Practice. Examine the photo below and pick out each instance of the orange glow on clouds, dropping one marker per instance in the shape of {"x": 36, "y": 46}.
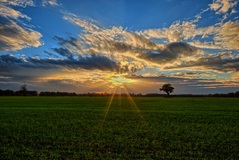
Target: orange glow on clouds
{"x": 119, "y": 80}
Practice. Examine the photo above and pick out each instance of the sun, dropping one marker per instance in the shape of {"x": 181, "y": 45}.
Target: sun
{"x": 119, "y": 80}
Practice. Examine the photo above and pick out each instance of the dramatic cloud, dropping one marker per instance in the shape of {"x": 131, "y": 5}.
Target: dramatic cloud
{"x": 222, "y": 6}
{"x": 128, "y": 46}
{"x": 8, "y": 12}
{"x": 63, "y": 52}
{"x": 141, "y": 47}
{"x": 176, "y": 51}
{"x": 227, "y": 36}
{"x": 220, "y": 36}
{"x": 175, "y": 48}
{"x": 25, "y": 3}
{"x": 90, "y": 62}
{"x": 178, "y": 31}
{"x": 82, "y": 23}
{"x": 84, "y": 73}
{"x": 15, "y": 36}
{"x": 188, "y": 52}
{"x": 225, "y": 62}
{"x": 21, "y": 3}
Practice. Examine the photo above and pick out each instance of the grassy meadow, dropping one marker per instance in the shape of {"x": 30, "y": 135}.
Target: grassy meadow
{"x": 118, "y": 128}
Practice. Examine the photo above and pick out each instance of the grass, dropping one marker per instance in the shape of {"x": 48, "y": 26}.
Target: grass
{"x": 142, "y": 128}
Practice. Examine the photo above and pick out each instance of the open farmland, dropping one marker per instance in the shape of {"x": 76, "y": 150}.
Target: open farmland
{"x": 119, "y": 128}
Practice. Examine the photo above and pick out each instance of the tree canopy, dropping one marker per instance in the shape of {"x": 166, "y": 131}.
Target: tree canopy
{"x": 167, "y": 88}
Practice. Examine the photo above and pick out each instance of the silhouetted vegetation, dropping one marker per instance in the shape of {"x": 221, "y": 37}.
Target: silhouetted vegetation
{"x": 7, "y": 93}
{"x": 57, "y": 94}
{"x": 167, "y": 88}
{"x": 18, "y": 93}
{"x": 23, "y": 91}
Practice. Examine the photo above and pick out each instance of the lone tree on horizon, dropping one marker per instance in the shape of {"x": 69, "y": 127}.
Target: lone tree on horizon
{"x": 167, "y": 88}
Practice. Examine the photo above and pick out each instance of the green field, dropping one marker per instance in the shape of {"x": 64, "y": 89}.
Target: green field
{"x": 138, "y": 128}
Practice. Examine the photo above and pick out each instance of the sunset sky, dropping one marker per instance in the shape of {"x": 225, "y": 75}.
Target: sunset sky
{"x": 97, "y": 45}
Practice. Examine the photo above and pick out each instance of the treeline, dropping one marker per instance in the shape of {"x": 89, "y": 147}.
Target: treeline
{"x": 58, "y": 94}
{"x": 25, "y": 92}
{"x": 34, "y": 93}
{"x": 231, "y": 94}
{"x": 18, "y": 93}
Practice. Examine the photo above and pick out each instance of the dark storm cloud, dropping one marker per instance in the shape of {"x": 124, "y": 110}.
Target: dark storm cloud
{"x": 89, "y": 62}
{"x": 120, "y": 47}
{"x": 64, "y": 42}
{"x": 15, "y": 71}
{"x": 85, "y": 62}
{"x": 171, "y": 52}
{"x": 64, "y": 52}
{"x": 97, "y": 62}
{"x": 145, "y": 49}
{"x": 9, "y": 59}
{"x": 216, "y": 62}
{"x": 168, "y": 54}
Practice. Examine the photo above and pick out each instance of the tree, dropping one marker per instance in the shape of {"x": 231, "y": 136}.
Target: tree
{"x": 237, "y": 94}
{"x": 23, "y": 90}
{"x": 167, "y": 88}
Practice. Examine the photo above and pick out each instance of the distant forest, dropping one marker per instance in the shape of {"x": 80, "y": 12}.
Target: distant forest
{"x": 24, "y": 92}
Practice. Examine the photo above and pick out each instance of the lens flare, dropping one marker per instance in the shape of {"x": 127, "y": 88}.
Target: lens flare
{"x": 136, "y": 108}
{"x": 119, "y": 83}
{"x": 107, "y": 108}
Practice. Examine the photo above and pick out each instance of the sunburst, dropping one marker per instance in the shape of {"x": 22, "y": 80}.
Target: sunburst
{"x": 119, "y": 80}
{"x": 119, "y": 83}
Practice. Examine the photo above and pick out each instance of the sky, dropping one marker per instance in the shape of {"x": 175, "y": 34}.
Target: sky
{"x": 135, "y": 46}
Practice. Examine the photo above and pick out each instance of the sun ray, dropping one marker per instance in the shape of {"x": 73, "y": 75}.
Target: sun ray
{"x": 118, "y": 83}
{"x": 120, "y": 97}
{"x": 130, "y": 99}
{"x": 108, "y": 105}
